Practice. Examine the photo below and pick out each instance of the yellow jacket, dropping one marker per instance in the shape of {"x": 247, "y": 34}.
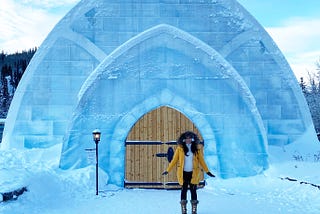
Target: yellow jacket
{"x": 197, "y": 161}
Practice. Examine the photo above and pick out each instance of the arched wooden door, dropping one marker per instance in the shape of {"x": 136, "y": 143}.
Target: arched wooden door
{"x": 150, "y": 145}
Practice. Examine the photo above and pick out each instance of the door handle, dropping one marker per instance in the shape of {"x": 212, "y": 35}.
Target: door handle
{"x": 161, "y": 155}
{"x": 168, "y": 155}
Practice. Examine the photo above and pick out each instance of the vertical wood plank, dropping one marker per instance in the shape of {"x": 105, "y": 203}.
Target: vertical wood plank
{"x": 169, "y": 124}
{"x": 166, "y": 125}
{"x": 162, "y": 124}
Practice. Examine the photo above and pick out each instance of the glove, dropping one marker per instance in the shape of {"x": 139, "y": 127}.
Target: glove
{"x": 165, "y": 173}
{"x": 210, "y": 174}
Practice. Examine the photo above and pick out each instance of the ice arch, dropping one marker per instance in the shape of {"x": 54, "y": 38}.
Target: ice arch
{"x": 42, "y": 107}
{"x": 167, "y": 66}
{"x": 290, "y": 114}
{"x": 43, "y": 103}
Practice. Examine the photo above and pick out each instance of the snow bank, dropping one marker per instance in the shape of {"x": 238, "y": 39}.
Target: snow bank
{"x": 51, "y": 190}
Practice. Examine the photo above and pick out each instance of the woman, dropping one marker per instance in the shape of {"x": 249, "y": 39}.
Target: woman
{"x": 189, "y": 157}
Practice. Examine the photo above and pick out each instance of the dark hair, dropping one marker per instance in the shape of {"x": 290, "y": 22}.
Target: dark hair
{"x": 194, "y": 144}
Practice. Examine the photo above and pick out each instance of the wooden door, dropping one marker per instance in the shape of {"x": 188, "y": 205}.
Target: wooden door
{"x": 149, "y": 147}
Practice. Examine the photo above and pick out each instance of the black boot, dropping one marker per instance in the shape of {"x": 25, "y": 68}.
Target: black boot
{"x": 194, "y": 204}
{"x": 183, "y": 206}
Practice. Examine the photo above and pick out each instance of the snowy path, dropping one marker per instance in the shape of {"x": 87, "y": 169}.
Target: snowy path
{"x": 271, "y": 198}
{"x": 54, "y": 191}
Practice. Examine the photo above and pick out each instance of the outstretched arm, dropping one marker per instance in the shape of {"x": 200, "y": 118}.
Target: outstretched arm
{"x": 204, "y": 165}
{"x": 210, "y": 174}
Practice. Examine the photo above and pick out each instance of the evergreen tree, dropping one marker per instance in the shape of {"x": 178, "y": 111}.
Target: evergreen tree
{"x": 12, "y": 67}
{"x": 303, "y": 86}
{"x": 312, "y": 95}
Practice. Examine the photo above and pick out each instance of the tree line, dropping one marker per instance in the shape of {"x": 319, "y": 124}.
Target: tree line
{"x": 14, "y": 65}
{"x": 12, "y": 68}
{"x": 311, "y": 91}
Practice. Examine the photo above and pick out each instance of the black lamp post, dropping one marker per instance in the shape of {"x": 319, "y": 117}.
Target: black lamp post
{"x": 96, "y": 137}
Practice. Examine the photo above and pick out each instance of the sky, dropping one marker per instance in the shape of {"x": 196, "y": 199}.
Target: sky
{"x": 293, "y": 25}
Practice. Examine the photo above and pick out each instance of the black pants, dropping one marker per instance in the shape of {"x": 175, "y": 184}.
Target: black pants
{"x": 186, "y": 183}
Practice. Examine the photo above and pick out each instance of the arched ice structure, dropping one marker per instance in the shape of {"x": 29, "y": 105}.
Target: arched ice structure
{"x": 210, "y": 60}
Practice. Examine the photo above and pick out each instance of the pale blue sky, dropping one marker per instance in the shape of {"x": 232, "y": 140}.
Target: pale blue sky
{"x": 293, "y": 24}
{"x": 295, "y": 27}
{"x": 275, "y": 12}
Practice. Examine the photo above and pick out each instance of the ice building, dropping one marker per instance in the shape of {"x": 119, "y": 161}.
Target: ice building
{"x": 142, "y": 72}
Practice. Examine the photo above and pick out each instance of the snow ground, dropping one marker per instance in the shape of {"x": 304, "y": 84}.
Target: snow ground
{"x": 52, "y": 190}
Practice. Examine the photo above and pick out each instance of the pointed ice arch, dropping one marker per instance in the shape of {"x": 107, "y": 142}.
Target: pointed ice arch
{"x": 165, "y": 66}
{"x": 94, "y": 28}
{"x": 42, "y": 107}
{"x": 273, "y": 84}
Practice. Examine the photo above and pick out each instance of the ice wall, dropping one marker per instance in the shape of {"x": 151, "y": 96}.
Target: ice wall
{"x": 46, "y": 99}
{"x": 165, "y": 66}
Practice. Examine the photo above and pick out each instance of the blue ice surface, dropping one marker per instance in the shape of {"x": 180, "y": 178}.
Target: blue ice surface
{"x": 108, "y": 62}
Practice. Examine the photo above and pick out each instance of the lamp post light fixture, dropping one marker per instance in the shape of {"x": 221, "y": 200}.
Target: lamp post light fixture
{"x": 96, "y": 137}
